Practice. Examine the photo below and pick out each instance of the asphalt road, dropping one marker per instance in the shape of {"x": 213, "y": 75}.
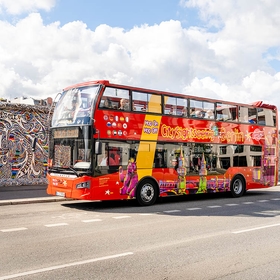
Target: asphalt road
{"x": 195, "y": 237}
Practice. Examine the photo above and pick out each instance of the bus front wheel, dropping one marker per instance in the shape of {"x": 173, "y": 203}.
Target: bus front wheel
{"x": 237, "y": 186}
{"x": 147, "y": 193}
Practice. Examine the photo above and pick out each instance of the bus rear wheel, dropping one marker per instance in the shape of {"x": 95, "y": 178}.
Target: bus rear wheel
{"x": 237, "y": 186}
{"x": 147, "y": 193}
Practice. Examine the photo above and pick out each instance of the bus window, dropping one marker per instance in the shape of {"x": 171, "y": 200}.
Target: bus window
{"x": 266, "y": 117}
{"x": 175, "y": 106}
{"x": 225, "y": 162}
{"x": 197, "y": 109}
{"x": 170, "y": 107}
{"x": 154, "y": 103}
{"x": 182, "y": 107}
{"x": 252, "y": 115}
{"x": 247, "y": 115}
{"x": 114, "y": 154}
{"x": 209, "y": 108}
{"x": 146, "y": 102}
{"x": 201, "y": 109}
{"x": 112, "y": 98}
{"x": 226, "y": 112}
{"x": 140, "y": 101}
{"x": 160, "y": 156}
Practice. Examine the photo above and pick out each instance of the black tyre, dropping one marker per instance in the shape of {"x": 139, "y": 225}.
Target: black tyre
{"x": 237, "y": 186}
{"x": 147, "y": 193}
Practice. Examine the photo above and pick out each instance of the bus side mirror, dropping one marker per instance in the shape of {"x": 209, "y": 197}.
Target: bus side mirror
{"x": 98, "y": 148}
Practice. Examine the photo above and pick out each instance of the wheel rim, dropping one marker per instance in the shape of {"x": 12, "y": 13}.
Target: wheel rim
{"x": 237, "y": 186}
{"x": 147, "y": 193}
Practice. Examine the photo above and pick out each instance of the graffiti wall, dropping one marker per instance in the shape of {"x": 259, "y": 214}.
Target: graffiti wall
{"x": 19, "y": 126}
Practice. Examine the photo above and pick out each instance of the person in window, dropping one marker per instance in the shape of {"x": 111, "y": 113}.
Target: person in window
{"x": 105, "y": 160}
{"x": 134, "y": 107}
{"x": 172, "y": 111}
{"x": 184, "y": 112}
{"x": 107, "y": 103}
{"x": 192, "y": 112}
{"x": 74, "y": 108}
{"x": 210, "y": 114}
{"x": 144, "y": 109}
{"x": 198, "y": 114}
{"x": 124, "y": 104}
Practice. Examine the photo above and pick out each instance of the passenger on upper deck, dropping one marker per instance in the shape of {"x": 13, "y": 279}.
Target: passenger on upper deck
{"x": 198, "y": 114}
{"x": 172, "y": 110}
{"x": 192, "y": 112}
{"x": 124, "y": 104}
{"x": 107, "y": 103}
{"x": 209, "y": 114}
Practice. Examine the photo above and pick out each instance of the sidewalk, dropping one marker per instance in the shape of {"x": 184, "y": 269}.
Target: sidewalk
{"x": 12, "y": 195}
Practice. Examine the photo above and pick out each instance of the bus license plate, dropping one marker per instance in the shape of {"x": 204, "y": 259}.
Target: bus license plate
{"x": 60, "y": 194}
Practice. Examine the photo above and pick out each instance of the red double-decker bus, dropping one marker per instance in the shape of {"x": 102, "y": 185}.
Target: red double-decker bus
{"x": 112, "y": 142}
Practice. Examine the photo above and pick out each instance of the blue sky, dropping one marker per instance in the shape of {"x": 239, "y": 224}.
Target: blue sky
{"x": 124, "y": 14}
{"x": 228, "y": 50}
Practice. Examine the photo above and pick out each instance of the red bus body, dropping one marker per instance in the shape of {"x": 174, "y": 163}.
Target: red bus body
{"x": 164, "y": 151}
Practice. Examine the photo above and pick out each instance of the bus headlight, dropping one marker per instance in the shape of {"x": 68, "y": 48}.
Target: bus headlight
{"x": 83, "y": 185}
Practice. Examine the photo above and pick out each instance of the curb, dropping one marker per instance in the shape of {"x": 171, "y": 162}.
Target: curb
{"x": 32, "y": 200}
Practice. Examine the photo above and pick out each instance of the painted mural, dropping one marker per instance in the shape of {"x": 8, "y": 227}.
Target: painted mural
{"x": 19, "y": 126}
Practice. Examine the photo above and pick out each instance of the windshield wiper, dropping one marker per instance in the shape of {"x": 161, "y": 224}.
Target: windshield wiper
{"x": 72, "y": 169}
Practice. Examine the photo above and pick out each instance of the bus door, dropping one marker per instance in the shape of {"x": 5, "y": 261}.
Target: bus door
{"x": 269, "y": 165}
{"x": 173, "y": 169}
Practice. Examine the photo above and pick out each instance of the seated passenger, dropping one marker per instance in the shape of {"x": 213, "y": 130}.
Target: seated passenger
{"x": 124, "y": 104}
{"x": 198, "y": 114}
{"x": 107, "y": 161}
{"x": 107, "y": 103}
{"x": 192, "y": 112}
{"x": 209, "y": 114}
{"x": 134, "y": 107}
{"x": 172, "y": 111}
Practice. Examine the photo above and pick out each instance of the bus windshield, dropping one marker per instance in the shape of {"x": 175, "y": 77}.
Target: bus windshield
{"x": 71, "y": 148}
{"x": 75, "y": 107}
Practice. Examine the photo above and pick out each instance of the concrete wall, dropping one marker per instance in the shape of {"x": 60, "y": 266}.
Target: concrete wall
{"x": 19, "y": 125}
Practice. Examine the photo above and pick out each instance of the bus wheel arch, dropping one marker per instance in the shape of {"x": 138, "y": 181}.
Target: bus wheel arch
{"x": 147, "y": 191}
{"x": 238, "y": 185}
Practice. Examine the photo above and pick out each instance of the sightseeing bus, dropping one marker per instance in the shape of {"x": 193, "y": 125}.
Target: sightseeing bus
{"x": 116, "y": 142}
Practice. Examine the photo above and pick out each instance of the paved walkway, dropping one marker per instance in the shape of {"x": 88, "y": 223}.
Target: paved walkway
{"x": 26, "y": 194}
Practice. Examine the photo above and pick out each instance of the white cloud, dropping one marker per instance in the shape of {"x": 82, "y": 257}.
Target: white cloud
{"x": 258, "y": 86}
{"x": 245, "y": 31}
{"x": 231, "y": 62}
{"x": 16, "y": 7}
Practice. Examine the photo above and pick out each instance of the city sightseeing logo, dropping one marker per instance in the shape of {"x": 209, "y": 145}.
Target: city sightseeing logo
{"x": 185, "y": 133}
{"x": 208, "y": 134}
